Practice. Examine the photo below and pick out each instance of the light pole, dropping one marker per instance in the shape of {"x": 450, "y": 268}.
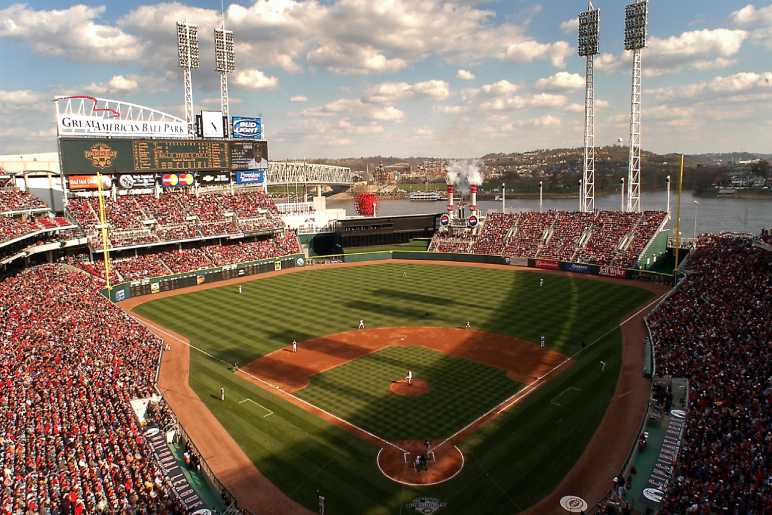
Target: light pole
{"x": 667, "y": 179}
{"x": 622, "y": 203}
{"x": 581, "y": 197}
{"x": 636, "y": 17}
{"x": 696, "y": 213}
{"x": 541, "y": 197}
{"x": 589, "y": 21}
{"x": 503, "y": 197}
{"x": 187, "y": 51}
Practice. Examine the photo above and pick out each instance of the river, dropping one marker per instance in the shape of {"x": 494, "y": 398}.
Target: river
{"x": 711, "y": 215}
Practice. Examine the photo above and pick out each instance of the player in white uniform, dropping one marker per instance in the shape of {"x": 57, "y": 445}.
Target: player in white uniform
{"x": 294, "y": 345}
{"x": 409, "y": 377}
{"x": 541, "y": 282}
{"x": 541, "y": 341}
{"x": 240, "y": 290}
{"x": 468, "y": 326}
{"x": 361, "y": 324}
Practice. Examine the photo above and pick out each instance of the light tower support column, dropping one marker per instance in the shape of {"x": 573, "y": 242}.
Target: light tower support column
{"x": 634, "y": 160}
{"x": 636, "y": 19}
{"x": 589, "y": 30}
{"x": 225, "y": 63}
{"x": 588, "y": 175}
{"x": 187, "y": 52}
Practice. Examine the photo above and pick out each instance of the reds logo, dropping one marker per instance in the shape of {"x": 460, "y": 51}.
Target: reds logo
{"x": 100, "y": 155}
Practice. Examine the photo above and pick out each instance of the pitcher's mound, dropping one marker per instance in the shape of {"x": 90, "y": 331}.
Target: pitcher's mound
{"x": 416, "y": 388}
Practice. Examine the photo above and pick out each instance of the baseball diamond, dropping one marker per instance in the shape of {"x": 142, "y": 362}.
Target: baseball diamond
{"x": 486, "y": 414}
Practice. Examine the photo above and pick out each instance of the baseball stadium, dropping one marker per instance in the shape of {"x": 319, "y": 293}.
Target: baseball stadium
{"x": 178, "y": 337}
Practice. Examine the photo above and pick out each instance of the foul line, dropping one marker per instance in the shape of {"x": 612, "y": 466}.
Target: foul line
{"x": 520, "y": 395}
{"x": 273, "y": 386}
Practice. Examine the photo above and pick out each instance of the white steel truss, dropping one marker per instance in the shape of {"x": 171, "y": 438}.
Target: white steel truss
{"x": 289, "y": 172}
{"x": 588, "y": 172}
{"x": 634, "y": 162}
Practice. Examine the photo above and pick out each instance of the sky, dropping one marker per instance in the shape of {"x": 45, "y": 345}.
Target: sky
{"x": 454, "y": 78}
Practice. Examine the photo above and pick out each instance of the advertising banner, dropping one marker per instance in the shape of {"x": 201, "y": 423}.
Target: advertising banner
{"x": 247, "y": 128}
{"x": 250, "y": 176}
{"x": 546, "y": 264}
{"x": 136, "y": 181}
{"x": 612, "y": 271}
{"x": 517, "y": 261}
{"x": 579, "y": 268}
{"x": 173, "y": 180}
{"x": 248, "y": 155}
{"x": 99, "y": 126}
{"x": 92, "y": 155}
{"x": 213, "y": 178}
{"x": 88, "y": 182}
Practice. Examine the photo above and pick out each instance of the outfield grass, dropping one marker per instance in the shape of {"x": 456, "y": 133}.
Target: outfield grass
{"x": 510, "y": 463}
{"x": 358, "y": 391}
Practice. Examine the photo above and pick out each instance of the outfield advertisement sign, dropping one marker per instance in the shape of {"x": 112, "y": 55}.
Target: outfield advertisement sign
{"x": 662, "y": 471}
{"x": 546, "y": 264}
{"x": 579, "y": 268}
{"x": 92, "y": 155}
{"x": 250, "y": 177}
{"x": 174, "y": 180}
{"x": 213, "y": 178}
{"x": 515, "y": 261}
{"x": 136, "y": 181}
{"x": 612, "y": 271}
{"x": 247, "y": 127}
{"x": 88, "y": 182}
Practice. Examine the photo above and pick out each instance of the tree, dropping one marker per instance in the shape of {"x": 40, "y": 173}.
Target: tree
{"x": 761, "y": 168}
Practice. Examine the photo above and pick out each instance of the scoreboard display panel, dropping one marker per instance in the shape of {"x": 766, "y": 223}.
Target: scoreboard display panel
{"x": 87, "y": 156}
{"x": 180, "y": 155}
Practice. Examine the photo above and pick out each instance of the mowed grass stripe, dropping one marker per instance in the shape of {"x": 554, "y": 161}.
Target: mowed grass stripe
{"x": 302, "y": 453}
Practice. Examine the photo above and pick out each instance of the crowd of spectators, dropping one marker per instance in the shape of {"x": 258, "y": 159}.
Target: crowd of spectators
{"x": 13, "y": 227}
{"x": 12, "y": 199}
{"x": 453, "y": 242}
{"x": 606, "y": 237}
{"x": 175, "y": 216}
{"x": 716, "y": 331}
{"x": 158, "y": 263}
{"x": 70, "y": 362}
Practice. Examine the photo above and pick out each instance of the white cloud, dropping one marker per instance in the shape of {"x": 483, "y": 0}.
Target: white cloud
{"x": 747, "y": 84}
{"x": 561, "y": 81}
{"x": 514, "y": 102}
{"x": 73, "y": 33}
{"x": 607, "y": 62}
{"x": 117, "y": 84}
{"x": 529, "y": 50}
{"x": 453, "y": 109}
{"x": 388, "y": 92}
{"x": 424, "y": 132}
{"x": 25, "y": 99}
{"x": 464, "y": 74}
{"x": 252, "y": 78}
{"x": 570, "y": 26}
{"x": 299, "y": 99}
{"x": 502, "y": 87}
{"x": 355, "y": 108}
{"x": 758, "y": 21}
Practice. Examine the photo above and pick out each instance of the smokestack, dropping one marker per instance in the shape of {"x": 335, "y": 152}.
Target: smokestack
{"x": 473, "y": 190}
{"x": 450, "y": 200}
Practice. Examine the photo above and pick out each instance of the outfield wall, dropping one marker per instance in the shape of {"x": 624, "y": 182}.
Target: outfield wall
{"x": 150, "y": 286}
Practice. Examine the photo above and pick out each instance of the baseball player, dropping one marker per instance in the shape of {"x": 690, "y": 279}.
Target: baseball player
{"x": 541, "y": 282}
{"x": 541, "y": 341}
{"x": 222, "y": 393}
{"x": 602, "y": 366}
{"x": 409, "y": 377}
{"x": 240, "y": 290}
{"x": 361, "y": 324}
{"x": 468, "y": 326}
{"x": 294, "y": 345}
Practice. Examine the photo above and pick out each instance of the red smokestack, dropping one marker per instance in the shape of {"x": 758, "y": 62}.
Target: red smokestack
{"x": 473, "y": 190}
{"x": 450, "y": 199}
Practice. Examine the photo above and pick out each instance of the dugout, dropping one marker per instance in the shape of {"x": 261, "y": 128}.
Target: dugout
{"x": 385, "y": 230}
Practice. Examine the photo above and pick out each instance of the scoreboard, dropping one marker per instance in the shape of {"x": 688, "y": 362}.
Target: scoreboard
{"x": 122, "y": 156}
{"x": 180, "y": 155}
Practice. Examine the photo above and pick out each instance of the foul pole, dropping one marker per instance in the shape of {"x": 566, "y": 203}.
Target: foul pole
{"x": 105, "y": 238}
{"x": 589, "y": 22}
{"x": 636, "y": 16}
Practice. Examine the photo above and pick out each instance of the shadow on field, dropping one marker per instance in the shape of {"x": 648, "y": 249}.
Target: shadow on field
{"x": 434, "y": 300}
{"x": 384, "y": 309}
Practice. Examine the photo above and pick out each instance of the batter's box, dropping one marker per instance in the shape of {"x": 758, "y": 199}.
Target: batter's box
{"x": 563, "y": 396}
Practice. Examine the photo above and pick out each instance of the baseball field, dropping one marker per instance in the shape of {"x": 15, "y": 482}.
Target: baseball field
{"x": 506, "y": 418}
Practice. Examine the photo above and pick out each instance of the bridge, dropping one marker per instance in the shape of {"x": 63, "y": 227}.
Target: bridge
{"x": 298, "y": 172}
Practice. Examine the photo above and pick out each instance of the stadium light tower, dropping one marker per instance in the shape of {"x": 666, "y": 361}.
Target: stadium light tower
{"x": 225, "y": 63}
{"x": 589, "y": 22}
{"x": 187, "y": 50}
{"x": 636, "y": 17}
